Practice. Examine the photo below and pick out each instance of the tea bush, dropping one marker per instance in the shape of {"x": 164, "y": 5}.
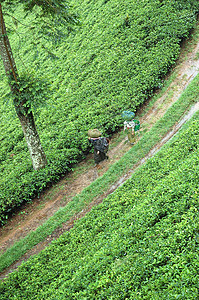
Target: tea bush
{"x": 140, "y": 243}
{"x": 113, "y": 62}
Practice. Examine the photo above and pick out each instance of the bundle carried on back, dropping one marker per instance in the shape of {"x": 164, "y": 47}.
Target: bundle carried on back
{"x": 127, "y": 115}
{"x": 102, "y": 144}
{"x": 137, "y": 125}
{"x": 94, "y": 133}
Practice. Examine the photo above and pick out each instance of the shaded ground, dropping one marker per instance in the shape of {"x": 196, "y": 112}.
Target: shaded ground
{"x": 33, "y": 215}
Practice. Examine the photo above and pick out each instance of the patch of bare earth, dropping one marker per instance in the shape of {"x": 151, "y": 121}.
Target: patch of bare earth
{"x": 41, "y": 209}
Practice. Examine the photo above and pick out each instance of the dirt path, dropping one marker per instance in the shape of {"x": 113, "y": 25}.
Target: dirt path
{"x": 33, "y": 215}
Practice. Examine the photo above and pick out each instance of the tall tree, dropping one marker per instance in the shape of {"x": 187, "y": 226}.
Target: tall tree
{"x": 56, "y": 11}
{"x": 23, "y": 109}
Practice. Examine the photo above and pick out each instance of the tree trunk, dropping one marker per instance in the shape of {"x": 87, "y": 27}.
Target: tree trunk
{"x": 24, "y": 112}
{"x": 32, "y": 139}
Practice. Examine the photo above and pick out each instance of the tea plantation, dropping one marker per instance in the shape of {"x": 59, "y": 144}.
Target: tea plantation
{"x": 142, "y": 242}
{"x": 114, "y": 61}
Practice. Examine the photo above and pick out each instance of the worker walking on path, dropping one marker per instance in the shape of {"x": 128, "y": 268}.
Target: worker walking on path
{"x": 130, "y": 125}
{"x": 101, "y": 145}
{"x": 129, "y": 128}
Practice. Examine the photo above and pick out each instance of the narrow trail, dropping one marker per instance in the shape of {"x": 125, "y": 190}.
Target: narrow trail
{"x": 33, "y": 215}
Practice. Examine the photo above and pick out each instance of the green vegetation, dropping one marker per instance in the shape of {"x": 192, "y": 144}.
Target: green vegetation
{"x": 140, "y": 243}
{"x": 103, "y": 183}
{"x": 115, "y": 61}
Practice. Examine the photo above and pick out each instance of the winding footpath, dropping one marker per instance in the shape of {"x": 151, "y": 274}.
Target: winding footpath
{"x": 40, "y": 211}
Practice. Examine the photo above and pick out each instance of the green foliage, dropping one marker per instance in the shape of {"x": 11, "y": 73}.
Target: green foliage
{"x": 53, "y": 8}
{"x": 115, "y": 61}
{"x": 108, "y": 180}
{"x": 48, "y": 17}
{"x": 140, "y": 243}
{"x": 30, "y": 91}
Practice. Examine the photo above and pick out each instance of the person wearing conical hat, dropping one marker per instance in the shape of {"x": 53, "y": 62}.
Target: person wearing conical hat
{"x": 100, "y": 144}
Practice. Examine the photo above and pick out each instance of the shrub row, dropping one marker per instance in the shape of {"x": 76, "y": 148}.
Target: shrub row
{"x": 140, "y": 243}
{"x": 114, "y": 62}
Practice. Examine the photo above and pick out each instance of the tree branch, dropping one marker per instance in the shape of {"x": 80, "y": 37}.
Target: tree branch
{"x": 25, "y": 25}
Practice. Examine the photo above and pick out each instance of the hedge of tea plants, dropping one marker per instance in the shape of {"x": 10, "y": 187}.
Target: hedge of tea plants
{"x": 114, "y": 61}
{"x": 142, "y": 242}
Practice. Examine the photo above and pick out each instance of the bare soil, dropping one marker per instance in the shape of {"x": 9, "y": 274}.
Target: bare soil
{"x": 32, "y": 215}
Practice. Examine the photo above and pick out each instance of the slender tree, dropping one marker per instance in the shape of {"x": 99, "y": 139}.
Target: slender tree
{"x": 23, "y": 109}
{"x": 22, "y": 105}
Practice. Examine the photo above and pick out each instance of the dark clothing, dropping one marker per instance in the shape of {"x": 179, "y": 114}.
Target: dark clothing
{"x": 99, "y": 156}
{"x": 101, "y": 145}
